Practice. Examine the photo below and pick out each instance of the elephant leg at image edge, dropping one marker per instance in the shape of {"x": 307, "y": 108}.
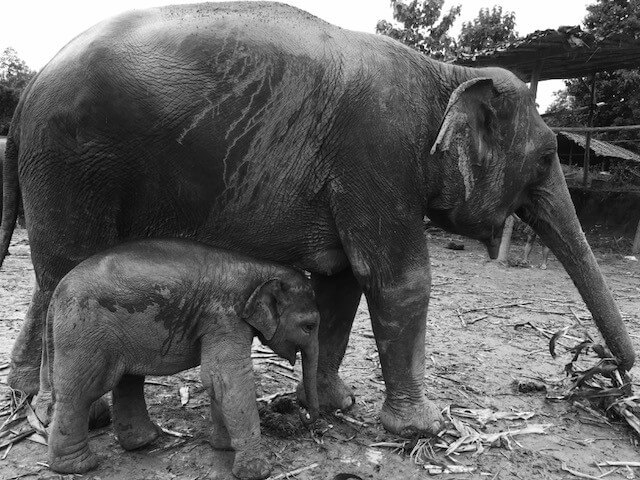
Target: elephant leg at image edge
{"x": 26, "y": 353}
{"x": 337, "y": 297}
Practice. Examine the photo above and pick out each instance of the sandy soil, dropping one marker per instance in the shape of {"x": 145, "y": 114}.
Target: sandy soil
{"x": 474, "y": 364}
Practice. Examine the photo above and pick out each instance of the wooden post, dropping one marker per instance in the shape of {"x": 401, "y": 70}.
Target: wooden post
{"x": 636, "y": 242}
{"x": 571, "y": 153}
{"x": 587, "y": 145}
{"x": 505, "y": 242}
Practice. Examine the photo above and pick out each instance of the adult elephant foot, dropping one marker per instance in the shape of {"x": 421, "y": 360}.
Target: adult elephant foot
{"x": 333, "y": 393}
{"x": 411, "y": 419}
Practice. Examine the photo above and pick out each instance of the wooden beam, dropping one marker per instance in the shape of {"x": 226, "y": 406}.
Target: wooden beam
{"x": 620, "y": 128}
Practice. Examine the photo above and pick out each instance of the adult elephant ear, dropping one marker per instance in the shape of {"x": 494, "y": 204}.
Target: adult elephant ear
{"x": 467, "y": 140}
{"x": 260, "y": 311}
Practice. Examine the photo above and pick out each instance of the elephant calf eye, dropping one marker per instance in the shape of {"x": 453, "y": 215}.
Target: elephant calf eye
{"x": 309, "y": 327}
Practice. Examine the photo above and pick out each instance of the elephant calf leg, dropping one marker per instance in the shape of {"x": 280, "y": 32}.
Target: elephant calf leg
{"x": 220, "y": 439}
{"x": 131, "y": 421}
{"x": 68, "y": 439}
{"x": 227, "y": 374}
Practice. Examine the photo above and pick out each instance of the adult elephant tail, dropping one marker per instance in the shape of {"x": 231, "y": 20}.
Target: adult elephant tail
{"x": 10, "y": 196}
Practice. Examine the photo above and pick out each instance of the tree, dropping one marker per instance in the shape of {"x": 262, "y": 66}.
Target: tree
{"x": 422, "y": 26}
{"x": 489, "y": 29}
{"x": 14, "y": 72}
{"x": 14, "y": 76}
{"x": 617, "y": 92}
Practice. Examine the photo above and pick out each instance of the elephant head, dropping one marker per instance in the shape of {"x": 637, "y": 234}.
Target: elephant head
{"x": 285, "y": 315}
{"x": 500, "y": 157}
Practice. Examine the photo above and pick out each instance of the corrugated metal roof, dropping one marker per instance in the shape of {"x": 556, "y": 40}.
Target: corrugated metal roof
{"x": 567, "y": 52}
{"x": 602, "y": 148}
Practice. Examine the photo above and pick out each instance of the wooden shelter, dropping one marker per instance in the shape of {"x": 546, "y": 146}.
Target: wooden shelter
{"x": 571, "y": 150}
{"x": 567, "y": 52}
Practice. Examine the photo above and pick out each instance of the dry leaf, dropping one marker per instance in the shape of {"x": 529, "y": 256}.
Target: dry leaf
{"x": 184, "y": 395}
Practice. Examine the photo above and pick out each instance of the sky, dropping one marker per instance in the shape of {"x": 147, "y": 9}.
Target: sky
{"x": 37, "y": 29}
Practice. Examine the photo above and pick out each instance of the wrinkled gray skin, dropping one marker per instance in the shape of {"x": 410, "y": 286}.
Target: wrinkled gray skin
{"x": 157, "y": 307}
{"x": 264, "y": 130}
{"x": 3, "y": 147}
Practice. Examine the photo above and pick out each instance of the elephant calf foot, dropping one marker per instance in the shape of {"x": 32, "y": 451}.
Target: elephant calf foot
{"x": 409, "y": 419}
{"x": 134, "y": 436}
{"x": 78, "y": 462}
{"x": 333, "y": 393}
{"x": 251, "y": 466}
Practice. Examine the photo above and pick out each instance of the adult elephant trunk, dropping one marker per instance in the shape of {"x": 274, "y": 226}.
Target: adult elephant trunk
{"x": 551, "y": 213}
{"x": 310, "y": 377}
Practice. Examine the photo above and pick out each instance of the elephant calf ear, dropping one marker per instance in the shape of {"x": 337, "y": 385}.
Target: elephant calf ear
{"x": 260, "y": 311}
{"x": 467, "y": 134}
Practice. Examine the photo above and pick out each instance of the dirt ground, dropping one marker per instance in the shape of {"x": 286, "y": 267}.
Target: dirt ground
{"x": 473, "y": 361}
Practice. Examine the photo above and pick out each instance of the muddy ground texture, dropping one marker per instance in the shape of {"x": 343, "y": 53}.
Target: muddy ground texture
{"x": 487, "y": 360}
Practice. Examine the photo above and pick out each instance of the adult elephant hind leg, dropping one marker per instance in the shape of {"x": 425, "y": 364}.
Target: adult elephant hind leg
{"x": 26, "y": 353}
{"x": 337, "y": 297}
{"x": 131, "y": 421}
{"x": 398, "y": 315}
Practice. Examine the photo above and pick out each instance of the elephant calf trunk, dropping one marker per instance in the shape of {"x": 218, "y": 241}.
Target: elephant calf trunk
{"x": 310, "y": 375}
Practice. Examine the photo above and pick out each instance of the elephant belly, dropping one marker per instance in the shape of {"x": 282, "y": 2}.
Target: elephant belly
{"x": 158, "y": 362}
{"x": 326, "y": 261}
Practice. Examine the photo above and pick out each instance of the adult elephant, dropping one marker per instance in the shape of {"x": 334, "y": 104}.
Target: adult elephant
{"x": 260, "y": 128}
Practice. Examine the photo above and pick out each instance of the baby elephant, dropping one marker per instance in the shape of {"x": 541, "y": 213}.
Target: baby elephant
{"x": 156, "y": 307}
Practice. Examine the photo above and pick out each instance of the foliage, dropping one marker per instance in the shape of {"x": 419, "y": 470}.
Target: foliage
{"x": 8, "y": 102}
{"x": 14, "y": 76}
{"x": 489, "y": 29}
{"x": 14, "y": 72}
{"x": 425, "y": 28}
{"x": 422, "y": 26}
{"x": 617, "y": 96}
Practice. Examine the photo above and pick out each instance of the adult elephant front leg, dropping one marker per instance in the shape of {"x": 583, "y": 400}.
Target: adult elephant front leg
{"x": 398, "y": 315}
{"x": 337, "y": 297}
{"x": 397, "y": 282}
